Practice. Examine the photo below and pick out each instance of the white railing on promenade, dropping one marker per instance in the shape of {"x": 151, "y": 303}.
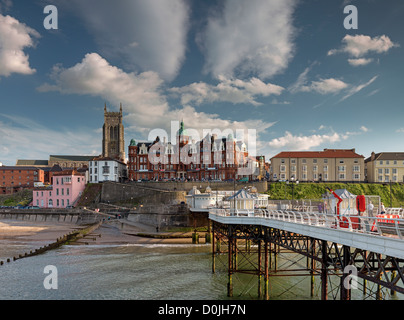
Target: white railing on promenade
{"x": 382, "y": 226}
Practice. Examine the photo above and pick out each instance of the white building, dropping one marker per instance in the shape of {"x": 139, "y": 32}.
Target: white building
{"x": 202, "y": 202}
{"x": 106, "y": 169}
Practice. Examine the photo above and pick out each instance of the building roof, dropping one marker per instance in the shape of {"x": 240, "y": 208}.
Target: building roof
{"x": 107, "y": 159}
{"x": 386, "y": 156}
{"x": 243, "y": 194}
{"x": 69, "y": 158}
{"x": 69, "y": 172}
{"x": 25, "y": 162}
{"x": 327, "y": 153}
{"x": 20, "y": 168}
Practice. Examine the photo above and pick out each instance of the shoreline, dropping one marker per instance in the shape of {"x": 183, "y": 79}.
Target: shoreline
{"x": 16, "y": 237}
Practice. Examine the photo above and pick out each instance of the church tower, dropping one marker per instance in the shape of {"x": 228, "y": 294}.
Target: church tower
{"x": 113, "y": 142}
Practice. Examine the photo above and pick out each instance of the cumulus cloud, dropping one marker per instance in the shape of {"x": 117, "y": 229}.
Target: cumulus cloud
{"x": 228, "y": 90}
{"x": 359, "y": 62}
{"x": 322, "y": 86}
{"x": 249, "y": 38}
{"x": 325, "y": 86}
{"x": 142, "y": 95}
{"x": 300, "y": 143}
{"x": 14, "y": 38}
{"x": 143, "y": 35}
{"x": 358, "y": 46}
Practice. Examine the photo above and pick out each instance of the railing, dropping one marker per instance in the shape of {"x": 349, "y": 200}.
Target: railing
{"x": 382, "y": 226}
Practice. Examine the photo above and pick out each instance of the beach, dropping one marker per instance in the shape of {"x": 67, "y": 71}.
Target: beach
{"x": 18, "y": 237}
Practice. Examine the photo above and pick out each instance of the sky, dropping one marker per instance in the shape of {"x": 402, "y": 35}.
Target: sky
{"x": 286, "y": 73}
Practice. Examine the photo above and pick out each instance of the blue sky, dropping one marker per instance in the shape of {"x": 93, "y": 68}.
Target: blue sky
{"x": 286, "y": 68}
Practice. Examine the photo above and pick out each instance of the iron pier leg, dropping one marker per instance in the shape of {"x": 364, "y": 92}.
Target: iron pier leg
{"x": 345, "y": 287}
{"x": 266, "y": 274}
{"x": 213, "y": 249}
{"x": 230, "y": 265}
{"x": 259, "y": 269}
{"x": 312, "y": 266}
{"x": 324, "y": 270}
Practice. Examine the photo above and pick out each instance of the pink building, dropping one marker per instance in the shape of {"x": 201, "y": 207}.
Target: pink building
{"x": 67, "y": 187}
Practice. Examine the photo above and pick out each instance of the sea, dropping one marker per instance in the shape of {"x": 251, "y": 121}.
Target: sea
{"x": 141, "y": 272}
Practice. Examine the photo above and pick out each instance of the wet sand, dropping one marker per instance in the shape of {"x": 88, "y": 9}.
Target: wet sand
{"x": 17, "y": 236}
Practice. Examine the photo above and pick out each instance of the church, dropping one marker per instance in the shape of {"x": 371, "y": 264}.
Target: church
{"x": 113, "y": 141}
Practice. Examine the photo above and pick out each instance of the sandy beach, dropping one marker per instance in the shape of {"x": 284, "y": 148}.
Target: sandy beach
{"x": 16, "y": 237}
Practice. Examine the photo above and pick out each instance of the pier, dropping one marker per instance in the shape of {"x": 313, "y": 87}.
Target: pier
{"x": 344, "y": 248}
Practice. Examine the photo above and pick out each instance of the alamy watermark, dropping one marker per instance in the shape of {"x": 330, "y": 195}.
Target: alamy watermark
{"x": 51, "y": 280}
{"x": 237, "y": 149}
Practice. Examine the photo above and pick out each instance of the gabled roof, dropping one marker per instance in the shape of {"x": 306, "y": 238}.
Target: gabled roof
{"x": 243, "y": 194}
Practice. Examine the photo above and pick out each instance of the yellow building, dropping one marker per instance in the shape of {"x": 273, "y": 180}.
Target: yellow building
{"x": 333, "y": 165}
{"x": 385, "y": 167}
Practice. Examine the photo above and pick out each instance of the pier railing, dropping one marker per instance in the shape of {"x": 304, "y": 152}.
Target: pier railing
{"x": 386, "y": 225}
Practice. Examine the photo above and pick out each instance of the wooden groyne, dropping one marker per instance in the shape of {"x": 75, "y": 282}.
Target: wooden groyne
{"x": 65, "y": 239}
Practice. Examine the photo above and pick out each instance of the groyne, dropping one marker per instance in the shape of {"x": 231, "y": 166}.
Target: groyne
{"x": 65, "y": 239}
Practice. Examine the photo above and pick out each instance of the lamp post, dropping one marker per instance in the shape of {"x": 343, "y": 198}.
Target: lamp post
{"x": 292, "y": 182}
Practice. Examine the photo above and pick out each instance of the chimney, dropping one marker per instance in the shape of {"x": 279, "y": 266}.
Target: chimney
{"x": 372, "y": 156}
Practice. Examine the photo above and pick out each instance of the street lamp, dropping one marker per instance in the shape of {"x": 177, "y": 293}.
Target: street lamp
{"x": 292, "y": 182}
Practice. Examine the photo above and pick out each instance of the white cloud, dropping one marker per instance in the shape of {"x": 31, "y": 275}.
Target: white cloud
{"x": 142, "y": 95}
{"x": 325, "y": 86}
{"x": 358, "y": 88}
{"x": 249, "y": 38}
{"x": 359, "y": 45}
{"x": 300, "y": 143}
{"x": 228, "y": 90}
{"x": 359, "y": 62}
{"x": 143, "y": 35}
{"x": 364, "y": 129}
{"x": 14, "y": 38}
{"x": 322, "y": 86}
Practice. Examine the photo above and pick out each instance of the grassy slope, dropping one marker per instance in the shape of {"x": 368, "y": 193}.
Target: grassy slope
{"x": 279, "y": 190}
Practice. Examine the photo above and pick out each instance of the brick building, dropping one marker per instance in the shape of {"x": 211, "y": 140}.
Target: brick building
{"x": 17, "y": 178}
{"x": 212, "y": 158}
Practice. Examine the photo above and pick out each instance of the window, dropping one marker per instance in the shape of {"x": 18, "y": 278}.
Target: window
{"x": 386, "y": 171}
{"x": 356, "y": 176}
{"x": 342, "y": 176}
{"x": 303, "y": 160}
{"x": 381, "y": 162}
{"x": 387, "y": 162}
{"x": 50, "y": 203}
{"x": 304, "y": 176}
{"x": 282, "y": 161}
{"x": 293, "y": 168}
{"x": 394, "y": 171}
{"x": 325, "y": 168}
{"x": 283, "y": 168}
{"x": 315, "y": 168}
{"x": 304, "y": 168}
{"x": 380, "y": 171}
{"x": 325, "y": 160}
{"x": 341, "y": 168}
{"x": 341, "y": 161}
{"x": 314, "y": 160}
{"x": 356, "y": 168}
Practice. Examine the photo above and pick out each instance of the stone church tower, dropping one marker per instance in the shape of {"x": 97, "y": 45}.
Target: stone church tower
{"x": 113, "y": 142}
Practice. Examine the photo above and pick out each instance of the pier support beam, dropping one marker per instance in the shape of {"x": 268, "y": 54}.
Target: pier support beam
{"x": 324, "y": 271}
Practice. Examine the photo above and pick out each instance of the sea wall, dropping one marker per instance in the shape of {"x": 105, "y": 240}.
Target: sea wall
{"x": 60, "y": 217}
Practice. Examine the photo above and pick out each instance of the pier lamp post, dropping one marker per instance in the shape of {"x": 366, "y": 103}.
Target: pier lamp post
{"x": 292, "y": 182}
